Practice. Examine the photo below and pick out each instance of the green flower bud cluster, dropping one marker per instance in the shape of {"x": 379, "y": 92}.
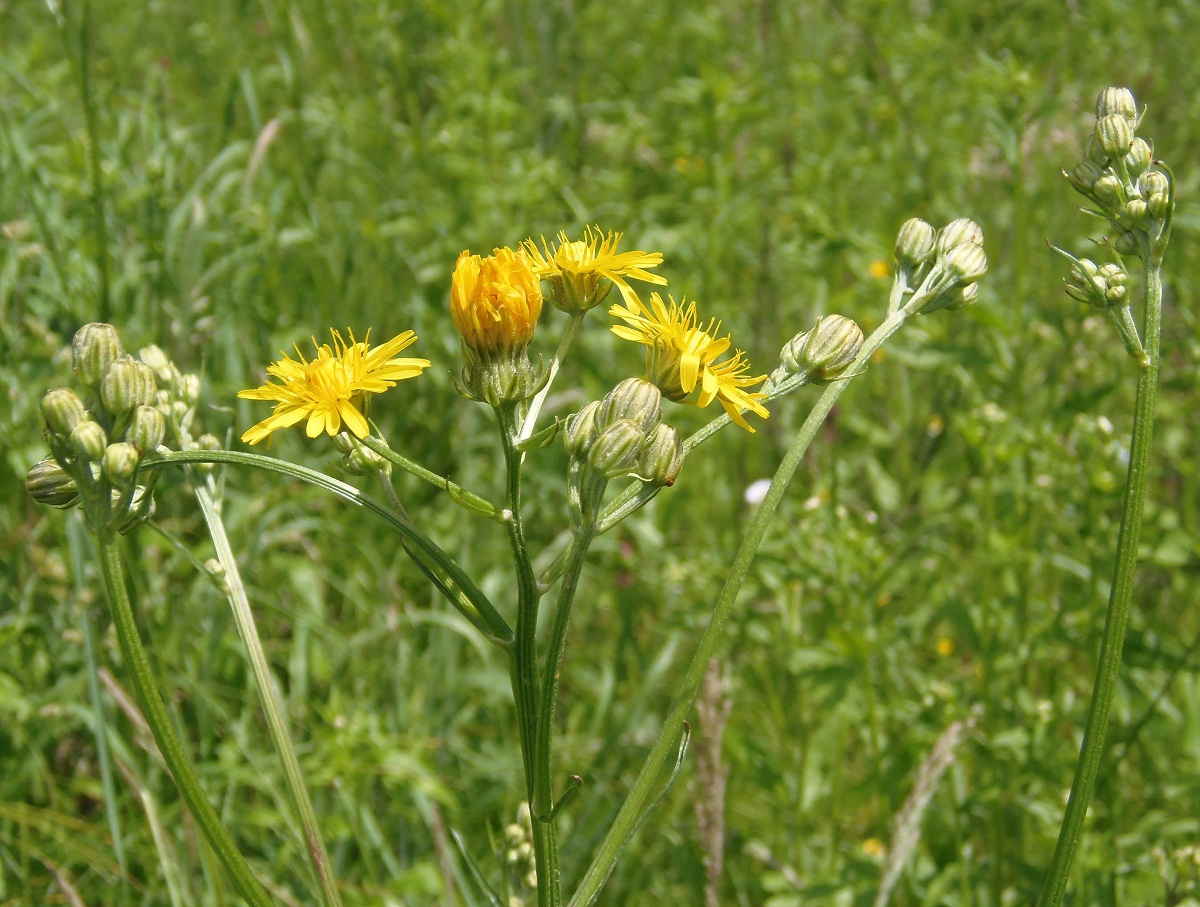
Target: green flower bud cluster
{"x": 624, "y": 435}
{"x": 823, "y": 354}
{"x": 1119, "y": 176}
{"x": 938, "y": 269}
{"x": 359, "y": 460}
{"x": 621, "y": 435}
{"x": 1101, "y": 286}
{"x": 518, "y": 850}
{"x": 98, "y": 441}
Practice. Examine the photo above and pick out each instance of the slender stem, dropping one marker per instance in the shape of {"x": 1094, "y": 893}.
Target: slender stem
{"x": 99, "y": 226}
{"x": 523, "y": 667}
{"x": 271, "y": 703}
{"x": 173, "y": 753}
{"x": 535, "y": 405}
{"x": 1086, "y": 769}
{"x": 449, "y": 577}
{"x": 543, "y": 796}
{"x": 640, "y": 794}
{"x": 460, "y": 495}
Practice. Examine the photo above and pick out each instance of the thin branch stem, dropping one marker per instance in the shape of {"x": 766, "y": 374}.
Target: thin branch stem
{"x": 268, "y": 694}
{"x": 543, "y": 805}
{"x": 535, "y": 405}
{"x": 523, "y": 668}
{"x": 1121, "y": 595}
{"x": 169, "y": 745}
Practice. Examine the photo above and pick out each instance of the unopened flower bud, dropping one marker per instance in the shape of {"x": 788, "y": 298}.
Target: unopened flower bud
{"x": 63, "y": 410}
{"x": 94, "y": 348}
{"x": 1109, "y": 190}
{"x": 1093, "y": 152}
{"x": 189, "y": 389}
{"x": 164, "y": 370}
{"x": 968, "y": 295}
{"x": 1138, "y": 157}
{"x": 1137, "y": 211}
{"x": 829, "y": 348}
{"x": 1114, "y": 134}
{"x": 1115, "y": 281}
{"x": 967, "y": 262}
{"x": 1126, "y": 243}
{"x": 514, "y": 834}
{"x": 343, "y": 443}
{"x": 1153, "y": 182}
{"x": 615, "y": 451}
{"x": 127, "y": 385}
{"x": 635, "y": 399}
{"x": 581, "y": 430}
{"x": 88, "y": 440}
{"x": 208, "y": 442}
{"x": 1116, "y": 102}
{"x": 121, "y": 463}
{"x": 1084, "y": 176}
{"x": 147, "y": 429}
{"x": 1158, "y": 204}
{"x": 49, "y": 483}
{"x": 662, "y": 457}
{"x": 960, "y": 231}
{"x": 915, "y": 242}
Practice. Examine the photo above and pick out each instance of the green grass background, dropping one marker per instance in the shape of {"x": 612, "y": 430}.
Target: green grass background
{"x": 272, "y": 169}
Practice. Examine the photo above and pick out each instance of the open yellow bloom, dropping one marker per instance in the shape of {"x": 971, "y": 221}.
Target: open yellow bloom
{"x": 332, "y": 388}
{"x": 577, "y": 269}
{"x": 495, "y": 301}
{"x": 683, "y": 357}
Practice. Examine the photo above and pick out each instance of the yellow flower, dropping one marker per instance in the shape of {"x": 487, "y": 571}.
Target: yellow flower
{"x": 331, "y": 388}
{"x": 575, "y": 269}
{"x": 945, "y": 647}
{"x": 880, "y": 270}
{"x": 495, "y": 301}
{"x": 683, "y": 357}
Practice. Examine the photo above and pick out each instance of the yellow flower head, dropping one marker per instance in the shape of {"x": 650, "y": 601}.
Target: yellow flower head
{"x": 684, "y": 359}
{"x": 495, "y": 301}
{"x": 331, "y": 388}
{"x": 581, "y": 273}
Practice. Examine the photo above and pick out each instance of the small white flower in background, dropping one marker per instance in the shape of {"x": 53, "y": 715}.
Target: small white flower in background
{"x": 756, "y": 491}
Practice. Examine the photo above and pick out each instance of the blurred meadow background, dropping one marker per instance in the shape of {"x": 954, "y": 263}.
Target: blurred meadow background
{"x": 228, "y": 178}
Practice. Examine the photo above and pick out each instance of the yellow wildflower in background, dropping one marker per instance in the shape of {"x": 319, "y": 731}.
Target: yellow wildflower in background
{"x": 683, "y": 357}
{"x": 575, "y": 270}
{"x": 332, "y": 388}
{"x": 495, "y": 301}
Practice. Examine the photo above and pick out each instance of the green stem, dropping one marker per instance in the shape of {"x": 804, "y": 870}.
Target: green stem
{"x": 449, "y": 577}
{"x": 640, "y": 794}
{"x": 523, "y": 667}
{"x": 269, "y": 697}
{"x": 535, "y": 406}
{"x": 460, "y": 495}
{"x": 173, "y": 753}
{"x": 1121, "y": 594}
{"x": 543, "y": 794}
{"x": 99, "y": 226}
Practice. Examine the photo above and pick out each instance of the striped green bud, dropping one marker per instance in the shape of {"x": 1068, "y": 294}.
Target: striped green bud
{"x": 63, "y": 410}
{"x": 95, "y": 347}
{"x": 127, "y": 384}
{"x": 48, "y": 483}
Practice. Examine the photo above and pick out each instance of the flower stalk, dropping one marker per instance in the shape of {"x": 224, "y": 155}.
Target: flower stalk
{"x": 150, "y": 698}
